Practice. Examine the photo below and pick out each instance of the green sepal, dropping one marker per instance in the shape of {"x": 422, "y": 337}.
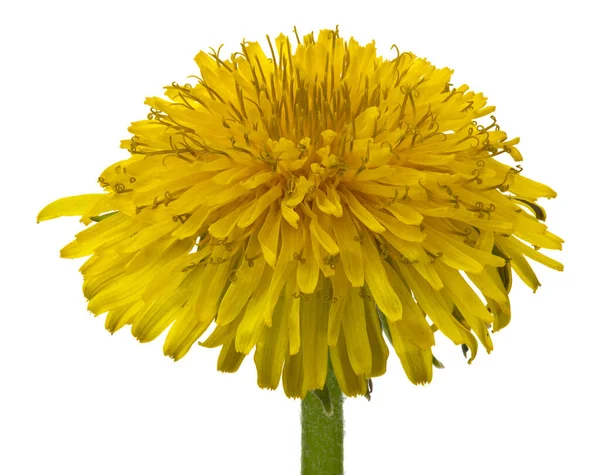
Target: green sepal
{"x": 505, "y": 272}
{"x": 437, "y": 363}
{"x": 101, "y": 217}
{"x": 540, "y": 213}
{"x": 384, "y": 325}
{"x": 325, "y": 398}
{"x": 367, "y": 395}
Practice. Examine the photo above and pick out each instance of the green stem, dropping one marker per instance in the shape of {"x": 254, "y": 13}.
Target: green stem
{"x": 323, "y": 430}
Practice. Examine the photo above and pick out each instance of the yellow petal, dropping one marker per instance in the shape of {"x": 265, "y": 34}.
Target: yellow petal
{"x": 521, "y": 266}
{"x": 244, "y": 283}
{"x": 253, "y": 321}
{"x": 350, "y": 383}
{"x": 467, "y": 301}
{"x": 403, "y": 231}
{"x": 187, "y": 328}
{"x": 214, "y": 282}
{"x": 285, "y": 266}
{"x": 334, "y": 198}
{"x": 173, "y": 273}
{"x": 413, "y": 325}
{"x": 271, "y": 353}
{"x": 70, "y": 206}
{"x": 515, "y": 246}
{"x": 125, "y": 315}
{"x": 107, "y": 232}
{"x": 340, "y": 287}
{"x": 362, "y": 213}
{"x": 490, "y": 284}
{"x": 379, "y": 285}
{"x": 530, "y": 189}
{"x": 308, "y": 268}
{"x": 325, "y": 205}
{"x": 292, "y": 308}
{"x": 350, "y": 249}
{"x": 224, "y": 227}
{"x": 220, "y": 335}
{"x": 379, "y": 350}
{"x": 128, "y": 289}
{"x": 459, "y": 255}
{"x": 418, "y": 258}
{"x": 405, "y": 214}
{"x": 268, "y": 236}
{"x": 355, "y": 329}
{"x": 157, "y": 315}
{"x": 313, "y": 324}
{"x": 321, "y": 236}
{"x": 146, "y": 236}
{"x": 289, "y": 214}
{"x": 432, "y": 303}
{"x": 260, "y": 205}
{"x": 416, "y": 361}
{"x": 194, "y": 222}
{"x": 293, "y": 376}
{"x": 229, "y": 358}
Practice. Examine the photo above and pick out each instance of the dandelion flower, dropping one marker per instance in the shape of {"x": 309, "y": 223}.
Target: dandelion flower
{"x": 307, "y": 199}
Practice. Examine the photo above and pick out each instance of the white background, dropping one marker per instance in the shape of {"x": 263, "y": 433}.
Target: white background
{"x": 76, "y": 400}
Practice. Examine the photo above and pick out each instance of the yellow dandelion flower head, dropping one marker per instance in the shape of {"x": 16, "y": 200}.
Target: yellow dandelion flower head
{"x": 307, "y": 199}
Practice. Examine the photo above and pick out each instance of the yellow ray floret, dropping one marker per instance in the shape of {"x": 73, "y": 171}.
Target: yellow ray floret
{"x": 306, "y": 200}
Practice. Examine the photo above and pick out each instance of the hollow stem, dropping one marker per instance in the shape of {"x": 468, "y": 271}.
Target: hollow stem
{"x": 323, "y": 430}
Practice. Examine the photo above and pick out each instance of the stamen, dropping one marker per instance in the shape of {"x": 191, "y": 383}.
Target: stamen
{"x": 469, "y": 137}
{"x": 168, "y": 198}
{"x": 429, "y": 194}
{"x": 218, "y": 260}
{"x": 383, "y": 251}
{"x": 469, "y": 107}
{"x": 476, "y": 178}
{"x": 363, "y": 294}
{"x": 215, "y": 54}
{"x": 503, "y": 186}
{"x": 305, "y": 297}
{"x": 298, "y": 257}
{"x": 228, "y": 244}
{"x": 182, "y": 218}
{"x": 359, "y": 238}
{"x": 434, "y": 256}
{"x": 403, "y": 259}
{"x": 493, "y": 124}
{"x": 120, "y": 188}
{"x": 297, "y": 37}
{"x": 251, "y": 260}
{"x": 188, "y": 267}
{"x": 452, "y": 93}
{"x": 331, "y": 260}
{"x": 446, "y": 188}
{"x": 479, "y": 208}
